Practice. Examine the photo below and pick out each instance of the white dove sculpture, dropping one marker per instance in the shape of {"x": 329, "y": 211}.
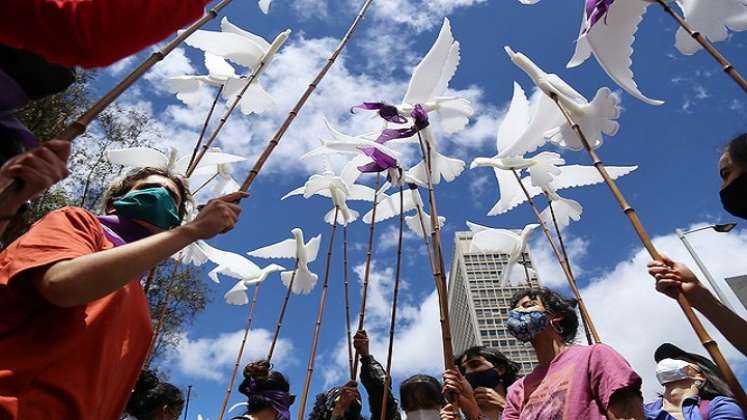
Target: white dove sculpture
{"x": 141, "y": 157}
{"x": 304, "y": 254}
{"x": 264, "y": 6}
{"x": 486, "y": 239}
{"x": 609, "y": 37}
{"x": 712, "y": 18}
{"x": 221, "y": 178}
{"x": 430, "y": 80}
{"x": 389, "y": 206}
{"x": 243, "y": 48}
{"x": 564, "y": 210}
{"x": 596, "y": 118}
{"x": 344, "y": 144}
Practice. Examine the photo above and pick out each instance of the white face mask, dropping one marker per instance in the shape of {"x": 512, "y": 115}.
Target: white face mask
{"x": 671, "y": 370}
{"x": 423, "y": 415}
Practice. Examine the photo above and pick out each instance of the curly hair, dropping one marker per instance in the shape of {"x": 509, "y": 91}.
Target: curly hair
{"x": 124, "y": 184}
{"x": 493, "y": 356}
{"x": 556, "y": 305}
{"x": 259, "y": 377}
{"x": 737, "y": 149}
{"x": 150, "y": 394}
{"x": 420, "y": 392}
{"x": 324, "y": 405}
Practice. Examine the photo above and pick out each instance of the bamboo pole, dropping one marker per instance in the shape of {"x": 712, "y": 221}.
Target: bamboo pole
{"x": 710, "y": 345}
{"x": 247, "y": 328}
{"x": 395, "y": 296}
{"x": 205, "y": 126}
{"x": 79, "y": 126}
{"x": 318, "y": 325}
{"x": 304, "y": 97}
{"x": 585, "y": 316}
{"x": 707, "y": 45}
{"x": 281, "y": 317}
{"x": 162, "y": 313}
{"x": 186, "y": 404}
{"x": 205, "y": 184}
{"x": 149, "y": 280}
{"x": 346, "y": 284}
{"x": 366, "y": 273}
{"x": 266, "y": 58}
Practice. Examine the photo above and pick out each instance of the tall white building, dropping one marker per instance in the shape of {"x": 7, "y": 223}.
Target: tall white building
{"x": 479, "y": 305}
{"x": 739, "y": 286}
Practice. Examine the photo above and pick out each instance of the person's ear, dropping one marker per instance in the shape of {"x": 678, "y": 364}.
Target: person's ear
{"x": 501, "y": 370}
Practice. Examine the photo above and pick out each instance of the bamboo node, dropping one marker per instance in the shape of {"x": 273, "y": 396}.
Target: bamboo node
{"x": 728, "y": 67}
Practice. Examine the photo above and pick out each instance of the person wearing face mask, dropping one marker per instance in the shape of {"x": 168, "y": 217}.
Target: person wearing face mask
{"x": 154, "y": 400}
{"x": 482, "y": 380}
{"x": 420, "y": 397}
{"x": 571, "y": 381}
{"x": 268, "y": 393}
{"x": 673, "y": 277}
{"x": 693, "y": 388}
{"x": 75, "y": 326}
{"x": 339, "y": 403}
{"x": 373, "y": 378}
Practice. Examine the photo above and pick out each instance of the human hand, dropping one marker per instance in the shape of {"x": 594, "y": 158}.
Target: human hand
{"x": 455, "y": 385}
{"x": 360, "y": 342}
{"x": 219, "y": 215}
{"x": 348, "y": 396}
{"x": 38, "y": 169}
{"x": 449, "y": 413}
{"x": 673, "y": 277}
{"x": 489, "y": 399}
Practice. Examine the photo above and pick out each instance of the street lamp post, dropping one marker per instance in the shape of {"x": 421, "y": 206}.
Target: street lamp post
{"x": 722, "y": 228}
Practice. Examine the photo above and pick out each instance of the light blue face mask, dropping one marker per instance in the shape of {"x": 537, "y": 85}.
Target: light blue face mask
{"x": 152, "y": 205}
{"x": 526, "y": 325}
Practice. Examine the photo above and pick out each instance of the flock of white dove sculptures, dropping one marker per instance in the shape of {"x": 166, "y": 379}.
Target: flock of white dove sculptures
{"x": 607, "y": 32}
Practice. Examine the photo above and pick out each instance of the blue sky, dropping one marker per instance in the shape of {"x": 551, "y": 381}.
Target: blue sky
{"x": 675, "y": 145}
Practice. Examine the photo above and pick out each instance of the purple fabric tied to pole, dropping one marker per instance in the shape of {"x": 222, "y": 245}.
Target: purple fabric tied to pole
{"x": 387, "y": 112}
{"x": 279, "y": 400}
{"x": 596, "y": 10}
{"x": 382, "y": 161}
{"x": 122, "y": 231}
{"x": 12, "y": 98}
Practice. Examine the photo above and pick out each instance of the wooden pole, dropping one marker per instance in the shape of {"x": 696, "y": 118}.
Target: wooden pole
{"x": 367, "y": 272}
{"x": 707, "y": 45}
{"x": 162, "y": 313}
{"x": 304, "y": 97}
{"x": 346, "y": 284}
{"x": 395, "y": 296}
{"x": 585, "y": 316}
{"x": 276, "y": 44}
{"x": 570, "y": 270}
{"x": 710, "y": 345}
{"x": 186, "y": 404}
{"x": 79, "y": 126}
{"x": 281, "y": 317}
{"x": 247, "y": 328}
{"x": 318, "y": 325}
{"x": 149, "y": 280}
{"x": 205, "y": 126}
{"x": 205, "y": 184}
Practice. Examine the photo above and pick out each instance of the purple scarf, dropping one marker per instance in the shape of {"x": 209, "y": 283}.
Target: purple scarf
{"x": 12, "y": 98}
{"x": 121, "y": 231}
{"x": 279, "y": 400}
{"x": 596, "y": 10}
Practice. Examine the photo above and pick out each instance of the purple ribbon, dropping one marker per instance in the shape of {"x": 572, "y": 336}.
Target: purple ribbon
{"x": 596, "y": 10}
{"x": 387, "y": 112}
{"x": 12, "y": 98}
{"x": 122, "y": 231}
{"x": 382, "y": 161}
{"x": 279, "y": 400}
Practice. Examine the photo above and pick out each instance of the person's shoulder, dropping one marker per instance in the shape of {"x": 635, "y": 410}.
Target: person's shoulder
{"x": 725, "y": 406}
{"x": 71, "y": 213}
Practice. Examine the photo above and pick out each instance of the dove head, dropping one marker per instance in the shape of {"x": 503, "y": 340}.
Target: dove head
{"x": 524, "y": 63}
{"x": 297, "y": 233}
{"x": 528, "y": 229}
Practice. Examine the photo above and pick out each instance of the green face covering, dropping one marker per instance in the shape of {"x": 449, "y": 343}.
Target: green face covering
{"x": 152, "y": 205}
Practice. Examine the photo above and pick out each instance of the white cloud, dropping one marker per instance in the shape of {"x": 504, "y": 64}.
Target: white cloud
{"x": 213, "y": 358}
{"x": 634, "y": 319}
{"x": 420, "y": 15}
{"x": 389, "y": 237}
{"x": 546, "y": 263}
{"x": 175, "y": 64}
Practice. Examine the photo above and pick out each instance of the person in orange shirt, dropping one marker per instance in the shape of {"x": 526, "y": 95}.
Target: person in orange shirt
{"x": 74, "y": 321}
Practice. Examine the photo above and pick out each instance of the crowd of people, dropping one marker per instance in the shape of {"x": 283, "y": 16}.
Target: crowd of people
{"x": 73, "y": 341}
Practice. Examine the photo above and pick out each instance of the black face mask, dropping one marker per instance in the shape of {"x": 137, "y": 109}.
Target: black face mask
{"x": 488, "y": 378}
{"x": 734, "y": 197}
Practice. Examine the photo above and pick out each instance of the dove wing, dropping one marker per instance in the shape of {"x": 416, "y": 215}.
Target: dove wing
{"x": 183, "y": 84}
{"x": 350, "y": 172}
{"x": 494, "y": 240}
{"x": 237, "y": 48}
{"x": 138, "y": 157}
{"x": 358, "y": 192}
{"x": 432, "y": 75}
{"x": 264, "y": 6}
{"x": 284, "y": 249}
{"x": 713, "y": 19}
{"x": 227, "y": 26}
{"x": 312, "y": 248}
{"x": 475, "y": 228}
{"x": 514, "y": 123}
{"x": 218, "y": 67}
{"x": 511, "y": 192}
{"x": 210, "y": 158}
{"x": 573, "y": 176}
{"x": 545, "y": 116}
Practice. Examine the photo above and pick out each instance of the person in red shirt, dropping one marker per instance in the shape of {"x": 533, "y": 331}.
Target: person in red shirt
{"x": 92, "y": 33}
{"x": 74, "y": 321}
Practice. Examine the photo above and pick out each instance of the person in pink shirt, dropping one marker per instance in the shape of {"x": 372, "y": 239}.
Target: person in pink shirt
{"x": 571, "y": 381}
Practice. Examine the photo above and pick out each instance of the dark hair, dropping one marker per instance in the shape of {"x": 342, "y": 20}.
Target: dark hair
{"x": 737, "y": 149}
{"x": 493, "y": 356}
{"x": 259, "y": 375}
{"x": 123, "y": 185}
{"x": 150, "y": 394}
{"x": 714, "y": 384}
{"x": 555, "y": 304}
{"x": 420, "y": 392}
{"x": 324, "y": 405}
